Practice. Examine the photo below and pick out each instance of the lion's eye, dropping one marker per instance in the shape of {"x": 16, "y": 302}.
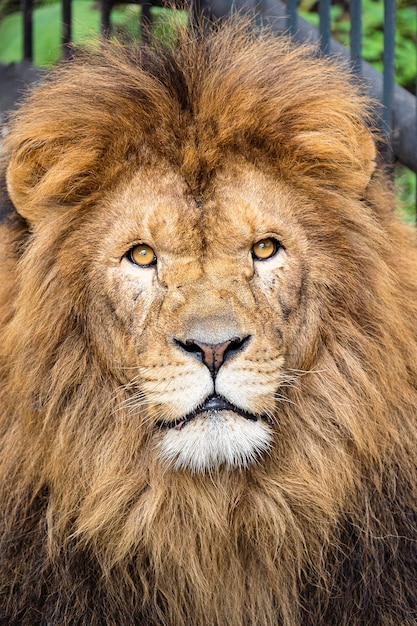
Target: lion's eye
{"x": 265, "y": 249}
{"x": 142, "y": 255}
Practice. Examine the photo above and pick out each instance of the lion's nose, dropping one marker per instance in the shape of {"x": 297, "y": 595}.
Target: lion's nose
{"x": 214, "y": 355}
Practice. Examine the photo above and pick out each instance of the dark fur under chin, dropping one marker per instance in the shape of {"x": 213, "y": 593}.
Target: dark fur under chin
{"x": 219, "y": 552}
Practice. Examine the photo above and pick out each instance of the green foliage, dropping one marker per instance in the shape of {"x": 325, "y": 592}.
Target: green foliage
{"x": 373, "y": 33}
{"x": 86, "y": 27}
{"x": 46, "y": 31}
{"x": 405, "y": 191}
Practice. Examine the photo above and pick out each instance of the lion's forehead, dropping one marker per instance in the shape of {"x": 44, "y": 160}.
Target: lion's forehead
{"x": 209, "y": 234}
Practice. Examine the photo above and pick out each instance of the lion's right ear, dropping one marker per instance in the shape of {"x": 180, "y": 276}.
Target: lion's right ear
{"x": 43, "y": 175}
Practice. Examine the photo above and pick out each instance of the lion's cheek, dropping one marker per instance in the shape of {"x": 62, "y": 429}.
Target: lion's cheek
{"x": 292, "y": 315}
{"x": 124, "y": 316}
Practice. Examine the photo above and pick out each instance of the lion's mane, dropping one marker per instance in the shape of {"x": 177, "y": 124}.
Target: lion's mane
{"x": 323, "y": 529}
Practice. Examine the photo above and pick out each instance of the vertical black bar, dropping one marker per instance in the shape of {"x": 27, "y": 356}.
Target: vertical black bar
{"x": 292, "y": 16}
{"x": 106, "y": 6}
{"x": 356, "y": 35}
{"x": 66, "y": 28}
{"x": 145, "y": 23}
{"x": 324, "y": 13}
{"x": 27, "y": 10}
{"x": 389, "y": 64}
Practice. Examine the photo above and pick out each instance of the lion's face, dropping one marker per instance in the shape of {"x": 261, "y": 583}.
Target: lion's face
{"x": 200, "y": 218}
{"x": 199, "y": 304}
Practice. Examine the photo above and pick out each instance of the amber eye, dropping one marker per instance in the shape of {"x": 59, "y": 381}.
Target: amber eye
{"x": 142, "y": 255}
{"x": 265, "y": 249}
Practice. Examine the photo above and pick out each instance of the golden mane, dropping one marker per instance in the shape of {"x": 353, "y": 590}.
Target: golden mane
{"x": 94, "y": 529}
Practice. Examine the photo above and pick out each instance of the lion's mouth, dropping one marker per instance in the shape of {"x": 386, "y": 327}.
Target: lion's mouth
{"x": 212, "y": 403}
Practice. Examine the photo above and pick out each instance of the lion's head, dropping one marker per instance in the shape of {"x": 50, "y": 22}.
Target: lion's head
{"x": 208, "y": 345}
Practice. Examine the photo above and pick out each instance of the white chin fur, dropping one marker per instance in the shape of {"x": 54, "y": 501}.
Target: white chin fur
{"x": 217, "y": 438}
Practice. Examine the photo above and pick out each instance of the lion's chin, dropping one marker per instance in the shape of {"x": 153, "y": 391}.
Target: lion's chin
{"x": 215, "y": 438}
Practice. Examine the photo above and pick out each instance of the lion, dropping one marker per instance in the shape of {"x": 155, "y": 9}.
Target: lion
{"x": 208, "y": 345}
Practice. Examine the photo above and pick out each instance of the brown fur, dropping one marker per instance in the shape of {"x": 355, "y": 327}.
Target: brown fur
{"x": 95, "y": 529}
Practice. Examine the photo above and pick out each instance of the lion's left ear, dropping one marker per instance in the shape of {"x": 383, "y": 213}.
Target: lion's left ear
{"x": 345, "y": 160}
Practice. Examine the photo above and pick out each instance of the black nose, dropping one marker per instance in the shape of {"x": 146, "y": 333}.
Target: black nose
{"x": 214, "y": 355}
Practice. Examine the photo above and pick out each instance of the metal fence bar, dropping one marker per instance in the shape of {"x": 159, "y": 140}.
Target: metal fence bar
{"x": 356, "y": 35}
{"x": 66, "y": 27}
{"x": 105, "y": 17}
{"x": 145, "y": 21}
{"x": 27, "y": 10}
{"x": 292, "y": 16}
{"x": 325, "y": 26}
{"x": 389, "y": 64}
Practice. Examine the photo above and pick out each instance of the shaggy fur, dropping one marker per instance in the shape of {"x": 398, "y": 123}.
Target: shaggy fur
{"x": 242, "y": 137}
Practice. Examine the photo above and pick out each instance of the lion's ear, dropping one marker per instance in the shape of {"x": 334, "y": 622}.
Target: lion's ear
{"x": 43, "y": 175}
{"x": 343, "y": 158}
{"x": 32, "y": 159}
